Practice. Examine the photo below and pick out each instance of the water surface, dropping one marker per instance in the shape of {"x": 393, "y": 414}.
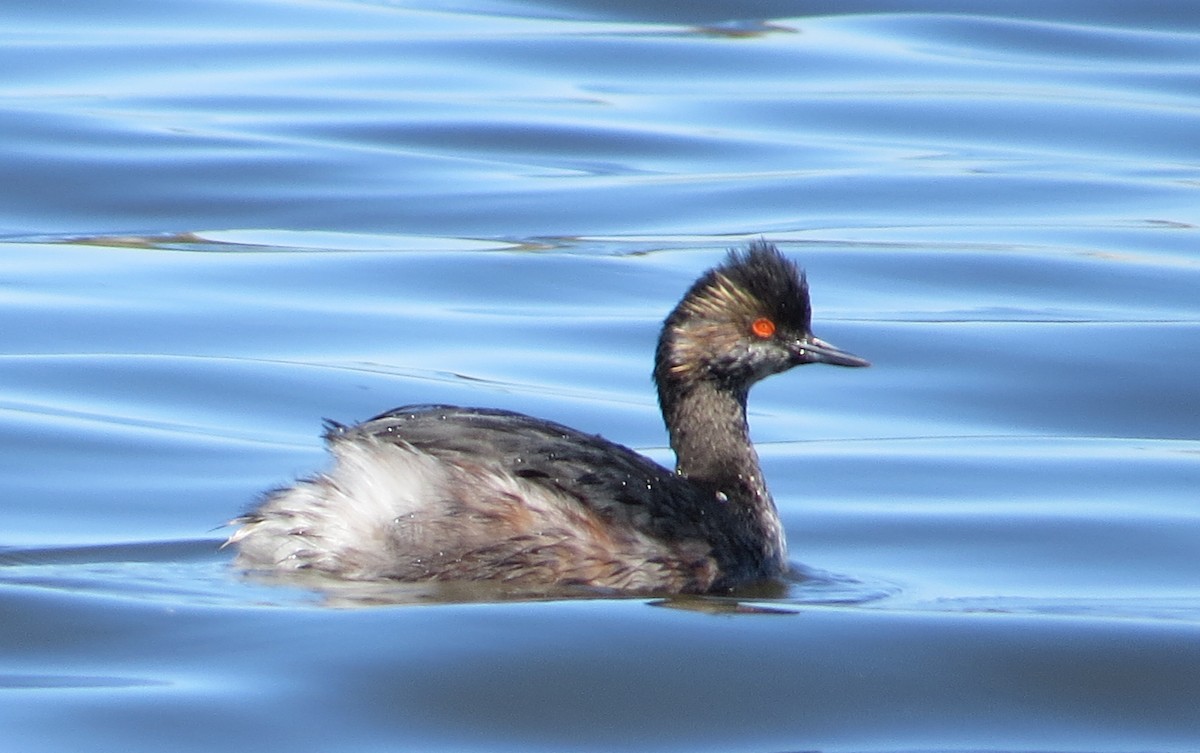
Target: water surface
{"x": 222, "y": 222}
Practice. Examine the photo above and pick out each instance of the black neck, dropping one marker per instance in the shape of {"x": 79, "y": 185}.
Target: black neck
{"x": 711, "y": 440}
{"x": 710, "y": 436}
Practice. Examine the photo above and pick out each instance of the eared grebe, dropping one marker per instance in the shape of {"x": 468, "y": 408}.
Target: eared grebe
{"x": 441, "y": 493}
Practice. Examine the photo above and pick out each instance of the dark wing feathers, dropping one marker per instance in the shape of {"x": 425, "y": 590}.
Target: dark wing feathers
{"x": 617, "y": 483}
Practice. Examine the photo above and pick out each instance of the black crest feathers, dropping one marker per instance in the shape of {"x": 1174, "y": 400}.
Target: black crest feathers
{"x": 755, "y": 281}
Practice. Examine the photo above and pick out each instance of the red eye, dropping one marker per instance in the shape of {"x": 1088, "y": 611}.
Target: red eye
{"x": 763, "y": 327}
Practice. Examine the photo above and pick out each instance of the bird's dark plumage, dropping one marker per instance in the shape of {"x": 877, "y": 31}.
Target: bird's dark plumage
{"x": 442, "y": 493}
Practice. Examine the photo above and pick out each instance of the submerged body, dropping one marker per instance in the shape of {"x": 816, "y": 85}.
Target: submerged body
{"x": 441, "y": 493}
{"x": 447, "y": 493}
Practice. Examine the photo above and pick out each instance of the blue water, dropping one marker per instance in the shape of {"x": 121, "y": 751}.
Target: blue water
{"x": 221, "y": 222}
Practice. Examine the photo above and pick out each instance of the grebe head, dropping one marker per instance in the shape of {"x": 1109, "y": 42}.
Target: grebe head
{"x": 740, "y": 322}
